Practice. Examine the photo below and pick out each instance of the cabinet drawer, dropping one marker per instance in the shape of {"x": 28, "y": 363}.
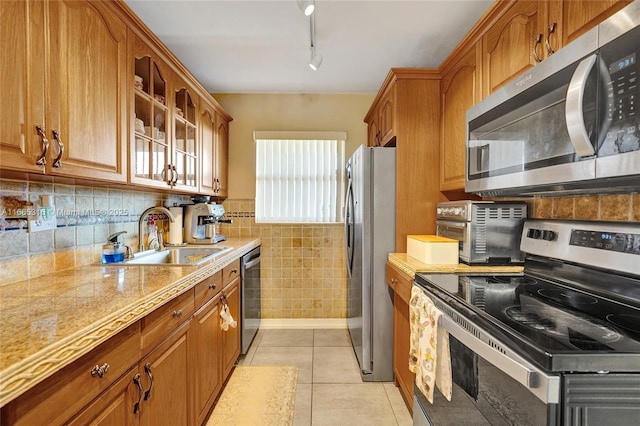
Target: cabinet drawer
{"x": 59, "y": 397}
{"x": 160, "y": 323}
{"x": 230, "y": 272}
{"x": 207, "y": 289}
{"x": 399, "y": 281}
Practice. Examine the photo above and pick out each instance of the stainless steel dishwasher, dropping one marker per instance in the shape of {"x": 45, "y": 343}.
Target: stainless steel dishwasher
{"x": 250, "y": 304}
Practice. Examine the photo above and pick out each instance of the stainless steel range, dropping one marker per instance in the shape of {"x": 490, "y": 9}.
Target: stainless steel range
{"x": 557, "y": 345}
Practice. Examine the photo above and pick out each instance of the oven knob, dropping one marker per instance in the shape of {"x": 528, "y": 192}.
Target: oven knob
{"x": 533, "y": 233}
{"x": 456, "y": 211}
{"x": 439, "y": 211}
{"x": 548, "y": 235}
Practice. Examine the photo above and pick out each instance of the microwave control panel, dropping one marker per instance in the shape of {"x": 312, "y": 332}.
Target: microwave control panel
{"x": 622, "y": 91}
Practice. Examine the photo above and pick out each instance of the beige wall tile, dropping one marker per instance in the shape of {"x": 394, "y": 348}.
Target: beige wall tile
{"x": 615, "y": 207}
{"x": 40, "y": 264}
{"x": 543, "y": 208}
{"x": 64, "y": 259}
{"x": 14, "y": 269}
{"x": 586, "y": 207}
{"x": 563, "y": 208}
{"x": 635, "y": 211}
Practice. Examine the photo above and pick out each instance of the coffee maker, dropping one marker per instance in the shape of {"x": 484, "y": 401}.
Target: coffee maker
{"x": 200, "y": 223}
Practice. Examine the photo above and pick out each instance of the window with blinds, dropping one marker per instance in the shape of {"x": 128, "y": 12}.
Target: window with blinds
{"x": 299, "y": 177}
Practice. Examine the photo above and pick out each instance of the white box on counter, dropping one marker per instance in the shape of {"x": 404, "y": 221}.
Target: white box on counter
{"x": 433, "y": 249}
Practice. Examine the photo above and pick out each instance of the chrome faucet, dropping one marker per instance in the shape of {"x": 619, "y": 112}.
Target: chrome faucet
{"x": 141, "y": 221}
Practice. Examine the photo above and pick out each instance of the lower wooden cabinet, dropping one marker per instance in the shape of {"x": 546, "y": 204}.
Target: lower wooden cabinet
{"x": 166, "y": 369}
{"x": 168, "y": 387}
{"x": 114, "y": 406}
{"x": 68, "y": 391}
{"x": 207, "y": 371}
{"x": 231, "y": 337}
{"x": 401, "y": 284}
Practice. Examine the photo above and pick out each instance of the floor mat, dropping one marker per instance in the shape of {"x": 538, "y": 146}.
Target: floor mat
{"x": 257, "y": 396}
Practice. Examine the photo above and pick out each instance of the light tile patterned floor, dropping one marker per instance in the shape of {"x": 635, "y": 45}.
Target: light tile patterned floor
{"x": 330, "y": 391}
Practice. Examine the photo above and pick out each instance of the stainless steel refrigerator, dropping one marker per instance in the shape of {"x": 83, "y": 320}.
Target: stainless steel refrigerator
{"x": 370, "y": 237}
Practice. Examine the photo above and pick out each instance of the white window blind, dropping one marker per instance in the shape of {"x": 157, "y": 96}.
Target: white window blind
{"x": 299, "y": 180}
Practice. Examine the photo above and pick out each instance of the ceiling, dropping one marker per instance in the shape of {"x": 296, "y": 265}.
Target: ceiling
{"x": 263, "y": 46}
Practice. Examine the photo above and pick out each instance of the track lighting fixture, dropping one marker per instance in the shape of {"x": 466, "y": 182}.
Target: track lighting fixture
{"x": 307, "y": 6}
{"x": 316, "y": 59}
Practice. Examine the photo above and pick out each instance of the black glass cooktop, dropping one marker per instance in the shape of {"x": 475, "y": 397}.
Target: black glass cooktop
{"x": 559, "y": 316}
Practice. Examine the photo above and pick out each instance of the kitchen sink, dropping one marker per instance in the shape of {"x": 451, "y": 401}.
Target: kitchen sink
{"x": 176, "y": 256}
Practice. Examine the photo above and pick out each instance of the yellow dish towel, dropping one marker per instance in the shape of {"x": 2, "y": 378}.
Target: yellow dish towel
{"x": 429, "y": 355}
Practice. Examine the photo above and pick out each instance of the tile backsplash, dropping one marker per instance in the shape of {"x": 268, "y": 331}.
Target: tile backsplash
{"x": 303, "y": 267}
{"x": 616, "y": 207}
{"x": 86, "y": 216}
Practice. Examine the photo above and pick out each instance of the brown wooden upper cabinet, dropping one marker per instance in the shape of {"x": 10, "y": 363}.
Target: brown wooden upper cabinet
{"x": 508, "y": 44}
{"x": 214, "y": 131}
{"x": 164, "y": 144}
{"x": 569, "y": 19}
{"x": 530, "y": 31}
{"x": 406, "y": 115}
{"x": 381, "y": 119}
{"x": 460, "y": 90}
{"x": 185, "y": 164}
{"x": 64, "y": 89}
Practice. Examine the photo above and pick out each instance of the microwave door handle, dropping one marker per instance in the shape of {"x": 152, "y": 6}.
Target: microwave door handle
{"x": 574, "y": 114}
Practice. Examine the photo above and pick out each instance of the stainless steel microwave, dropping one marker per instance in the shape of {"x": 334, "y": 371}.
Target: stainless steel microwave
{"x": 569, "y": 124}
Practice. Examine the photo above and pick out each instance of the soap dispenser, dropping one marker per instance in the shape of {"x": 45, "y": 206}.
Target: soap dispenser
{"x": 113, "y": 251}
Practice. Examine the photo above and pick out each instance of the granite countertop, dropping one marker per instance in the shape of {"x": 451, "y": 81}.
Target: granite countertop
{"x": 410, "y": 266}
{"x": 50, "y": 321}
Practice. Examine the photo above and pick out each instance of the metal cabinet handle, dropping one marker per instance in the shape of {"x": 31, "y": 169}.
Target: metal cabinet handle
{"x": 164, "y": 174}
{"x": 550, "y": 30}
{"x": 100, "y": 370}
{"x": 212, "y": 286}
{"x": 175, "y": 175}
{"x": 176, "y": 314}
{"x": 57, "y": 163}
{"x": 147, "y": 369}
{"x": 136, "y": 406}
{"x": 42, "y": 159}
{"x": 217, "y": 190}
{"x": 234, "y": 271}
{"x": 394, "y": 281}
{"x": 535, "y": 48}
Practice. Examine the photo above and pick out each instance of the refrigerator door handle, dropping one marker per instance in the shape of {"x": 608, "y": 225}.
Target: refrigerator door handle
{"x": 349, "y": 227}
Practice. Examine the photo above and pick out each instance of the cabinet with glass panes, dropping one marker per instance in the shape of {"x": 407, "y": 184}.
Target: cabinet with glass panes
{"x": 150, "y": 147}
{"x": 185, "y": 148}
{"x": 164, "y": 146}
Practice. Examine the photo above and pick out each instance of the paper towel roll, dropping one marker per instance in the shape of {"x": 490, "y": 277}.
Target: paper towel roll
{"x": 175, "y": 228}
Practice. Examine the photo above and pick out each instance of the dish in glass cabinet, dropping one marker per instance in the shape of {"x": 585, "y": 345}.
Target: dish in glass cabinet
{"x": 138, "y": 82}
{"x": 159, "y": 98}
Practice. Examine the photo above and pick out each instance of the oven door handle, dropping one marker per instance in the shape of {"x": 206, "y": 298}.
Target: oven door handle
{"x": 545, "y": 387}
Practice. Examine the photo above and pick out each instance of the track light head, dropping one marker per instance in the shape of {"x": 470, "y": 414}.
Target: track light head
{"x": 306, "y": 6}
{"x": 316, "y": 60}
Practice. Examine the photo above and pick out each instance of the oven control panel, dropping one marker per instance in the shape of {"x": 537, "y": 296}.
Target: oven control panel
{"x": 609, "y": 245}
{"x": 614, "y": 241}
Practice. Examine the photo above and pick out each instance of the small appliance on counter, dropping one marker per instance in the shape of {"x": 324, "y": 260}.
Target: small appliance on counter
{"x": 200, "y": 223}
{"x": 488, "y": 232}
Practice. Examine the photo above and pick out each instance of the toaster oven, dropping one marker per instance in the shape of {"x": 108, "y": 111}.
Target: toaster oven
{"x": 488, "y": 232}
